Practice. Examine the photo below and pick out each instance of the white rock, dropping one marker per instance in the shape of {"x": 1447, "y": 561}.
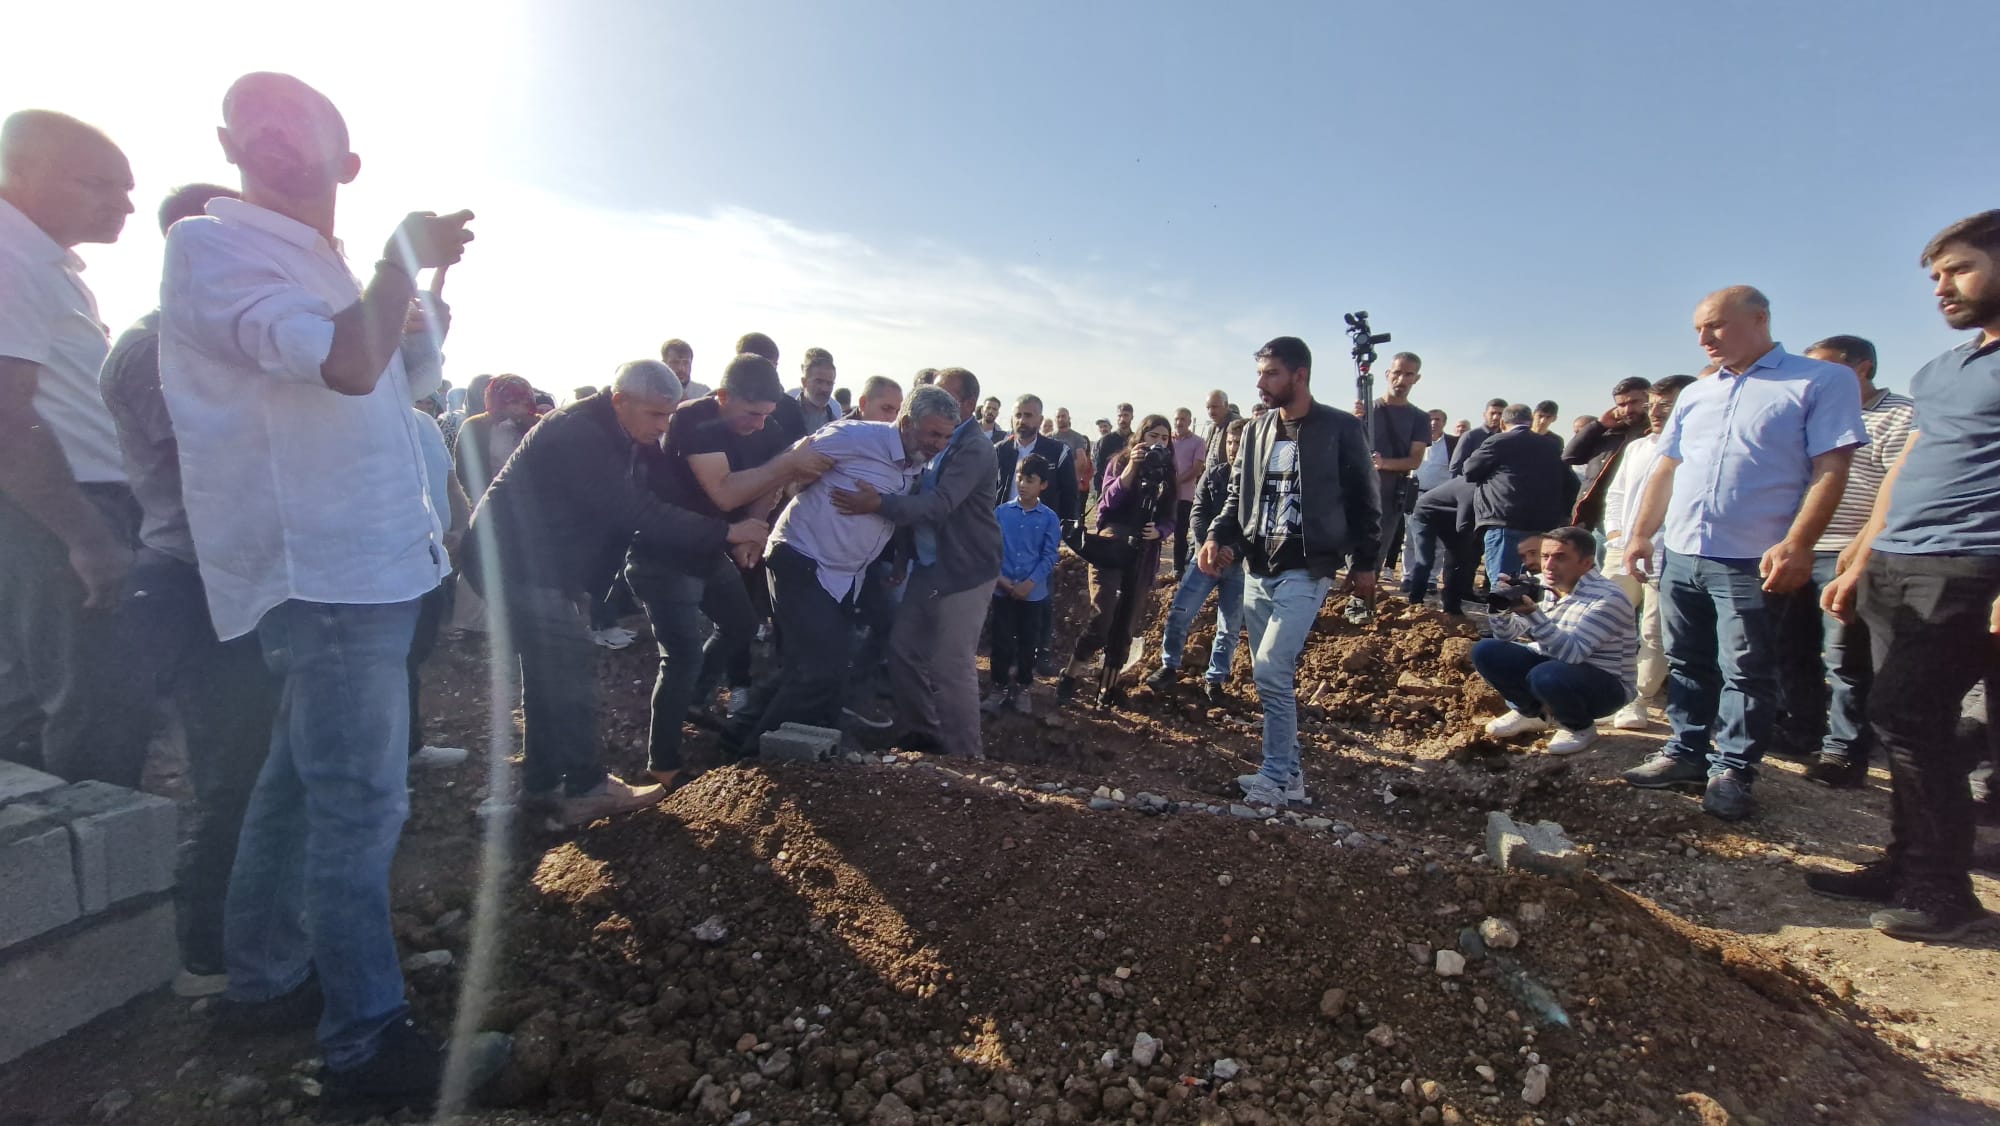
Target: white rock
{"x": 1450, "y": 963}
{"x": 1225, "y": 1070}
{"x": 1499, "y": 933}
{"x": 711, "y": 930}
{"x": 1535, "y": 1084}
{"x": 1145, "y": 1049}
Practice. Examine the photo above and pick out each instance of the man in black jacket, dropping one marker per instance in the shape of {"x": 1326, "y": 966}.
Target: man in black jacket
{"x": 1303, "y": 503}
{"x": 1599, "y": 446}
{"x": 537, "y": 535}
{"x": 1522, "y": 489}
{"x": 1028, "y": 438}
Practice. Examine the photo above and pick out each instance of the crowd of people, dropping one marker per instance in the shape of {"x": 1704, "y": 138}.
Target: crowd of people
{"x": 264, "y": 502}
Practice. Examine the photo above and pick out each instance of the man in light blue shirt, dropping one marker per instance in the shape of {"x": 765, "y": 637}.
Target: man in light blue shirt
{"x": 1751, "y": 467}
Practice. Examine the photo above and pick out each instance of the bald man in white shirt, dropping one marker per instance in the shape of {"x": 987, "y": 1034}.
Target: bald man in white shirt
{"x": 67, "y": 518}
{"x": 290, "y": 385}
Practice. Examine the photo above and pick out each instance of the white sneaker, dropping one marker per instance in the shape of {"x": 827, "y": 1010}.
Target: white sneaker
{"x": 1567, "y": 742}
{"x": 613, "y": 638}
{"x": 190, "y": 984}
{"x": 1632, "y": 717}
{"x": 438, "y": 758}
{"x": 1514, "y": 723}
{"x": 622, "y": 634}
{"x": 1295, "y": 792}
{"x": 1259, "y": 790}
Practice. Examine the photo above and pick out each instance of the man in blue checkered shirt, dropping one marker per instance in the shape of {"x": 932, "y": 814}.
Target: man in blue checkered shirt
{"x": 1569, "y": 658}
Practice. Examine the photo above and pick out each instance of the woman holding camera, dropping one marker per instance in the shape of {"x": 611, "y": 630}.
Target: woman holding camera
{"x": 1135, "y": 513}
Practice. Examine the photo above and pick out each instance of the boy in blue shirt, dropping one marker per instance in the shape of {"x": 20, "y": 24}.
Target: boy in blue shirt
{"x": 1030, "y": 534}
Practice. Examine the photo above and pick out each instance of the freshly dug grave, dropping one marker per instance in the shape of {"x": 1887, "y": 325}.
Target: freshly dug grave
{"x": 887, "y": 944}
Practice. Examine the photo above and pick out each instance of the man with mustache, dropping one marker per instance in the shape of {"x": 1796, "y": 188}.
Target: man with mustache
{"x": 1303, "y": 502}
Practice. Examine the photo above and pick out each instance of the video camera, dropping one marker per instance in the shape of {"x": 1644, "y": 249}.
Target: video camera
{"x": 1503, "y": 597}
{"x": 1365, "y": 339}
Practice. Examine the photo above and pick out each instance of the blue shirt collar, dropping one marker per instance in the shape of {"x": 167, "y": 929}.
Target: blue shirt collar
{"x": 1770, "y": 359}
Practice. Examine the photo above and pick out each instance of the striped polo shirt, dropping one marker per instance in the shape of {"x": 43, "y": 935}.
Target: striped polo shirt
{"x": 1888, "y": 421}
{"x": 1593, "y": 625}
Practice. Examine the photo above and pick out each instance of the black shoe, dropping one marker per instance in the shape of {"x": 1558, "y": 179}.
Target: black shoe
{"x": 1727, "y": 796}
{"x": 1065, "y": 688}
{"x": 407, "y": 1071}
{"x": 918, "y": 743}
{"x": 1216, "y": 693}
{"x": 1838, "y": 772}
{"x": 1162, "y": 678}
{"x": 1929, "y": 924}
{"x": 1873, "y": 882}
{"x": 297, "y": 1011}
{"x": 1664, "y": 770}
{"x": 1794, "y": 745}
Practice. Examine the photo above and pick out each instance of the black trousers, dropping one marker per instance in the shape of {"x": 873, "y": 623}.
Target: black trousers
{"x": 1018, "y": 630}
{"x": 1928, "y": 616}
{"x": 819, "y": 638}
{"x": 1183, "y": 516}
{"x": 692, "y": 658}
{"x": 227, "y": 699}
{"x": 74, "y": 694}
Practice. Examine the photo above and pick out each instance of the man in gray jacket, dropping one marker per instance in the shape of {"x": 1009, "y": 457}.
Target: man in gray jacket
{"x": 955, "y": 545}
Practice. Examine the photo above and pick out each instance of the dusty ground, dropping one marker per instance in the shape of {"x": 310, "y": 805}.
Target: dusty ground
{"x": 914, "y": 941}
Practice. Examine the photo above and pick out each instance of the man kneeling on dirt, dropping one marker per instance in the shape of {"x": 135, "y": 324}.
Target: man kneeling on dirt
{"x": 567, "y": 492}
{"x": 1569, "y": 655}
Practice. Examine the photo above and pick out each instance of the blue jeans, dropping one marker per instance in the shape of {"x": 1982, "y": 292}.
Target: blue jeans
{"x": 1824, "y": 671}
{"x": 1193, "y": 591}
{"x": 1279, "y": 611}
{"x": 1722, "y": 688}
{"x": 310, "y": 888}
{"x": 1575, "y": 696}
{"x": 1420, "y": 546}
{"x": 1503, "y": 553}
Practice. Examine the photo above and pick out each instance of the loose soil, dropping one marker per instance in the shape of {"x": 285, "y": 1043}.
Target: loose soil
{"x": 923, "y": 940}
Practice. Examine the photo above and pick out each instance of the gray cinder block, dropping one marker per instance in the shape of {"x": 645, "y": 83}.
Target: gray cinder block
{"x": 37, "y": 877}
{"x": 124, "y": 842}
{"x": 48, "y": 988}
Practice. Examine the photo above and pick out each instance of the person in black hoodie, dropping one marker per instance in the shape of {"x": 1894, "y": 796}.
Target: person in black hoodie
{"x": 1522, "y": 489}
{"x": 1209, "y": 497}
{"x": 537, "y": 534}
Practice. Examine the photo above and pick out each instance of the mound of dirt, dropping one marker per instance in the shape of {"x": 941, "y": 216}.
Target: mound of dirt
{"x": 892, "y": 945}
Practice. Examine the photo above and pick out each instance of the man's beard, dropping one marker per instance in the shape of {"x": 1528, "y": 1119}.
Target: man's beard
{"x": 1027, "y": 437}
{"x": 1973, "y": 312}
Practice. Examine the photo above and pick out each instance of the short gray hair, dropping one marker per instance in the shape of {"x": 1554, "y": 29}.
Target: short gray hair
{"x": 647, "y": 379}
{"x": 1026, "y": 399}
{"x": 930, "y": 400}
{"x": 1516, "y": 414}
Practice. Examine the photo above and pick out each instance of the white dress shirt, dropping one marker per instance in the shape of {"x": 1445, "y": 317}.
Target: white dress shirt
{"x": 294, "y": 490}
{"x": 48, "y": 317}
{"x": 1623, "y": 498}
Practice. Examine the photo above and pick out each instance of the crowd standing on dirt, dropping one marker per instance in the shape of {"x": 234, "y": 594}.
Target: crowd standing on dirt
{"x": 236, "y": 507}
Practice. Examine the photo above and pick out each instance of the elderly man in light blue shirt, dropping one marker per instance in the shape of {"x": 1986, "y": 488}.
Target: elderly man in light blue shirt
{"x": 818, "y": 554}
{"x": 1751, "y": 467}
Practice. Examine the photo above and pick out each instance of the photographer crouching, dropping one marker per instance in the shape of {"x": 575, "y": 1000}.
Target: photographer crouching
{"x": 1565, "y": 649}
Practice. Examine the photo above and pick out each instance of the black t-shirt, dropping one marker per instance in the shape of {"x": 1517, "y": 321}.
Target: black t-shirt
{"x": 1278, "y": 544}
{"x": 1395, "y": 427}
{"x": 696, "y": 429}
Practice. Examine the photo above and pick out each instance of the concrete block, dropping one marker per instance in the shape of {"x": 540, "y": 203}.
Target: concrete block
{"x": 37, "y": 877}
{"x": 1539, "y": 847}
{"x": 830, "y": 734}
{"x": 124, "y": 842}
{"x": 797, "y": 743}
{"x": 52, "y": 986}
{"x": 17, "y": 781}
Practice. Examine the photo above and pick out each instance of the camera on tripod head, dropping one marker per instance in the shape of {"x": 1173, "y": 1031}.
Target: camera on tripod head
{"x": 1365, "y": 339}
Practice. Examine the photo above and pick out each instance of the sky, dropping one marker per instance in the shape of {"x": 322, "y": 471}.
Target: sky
{"x": 1095, "y": 202}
